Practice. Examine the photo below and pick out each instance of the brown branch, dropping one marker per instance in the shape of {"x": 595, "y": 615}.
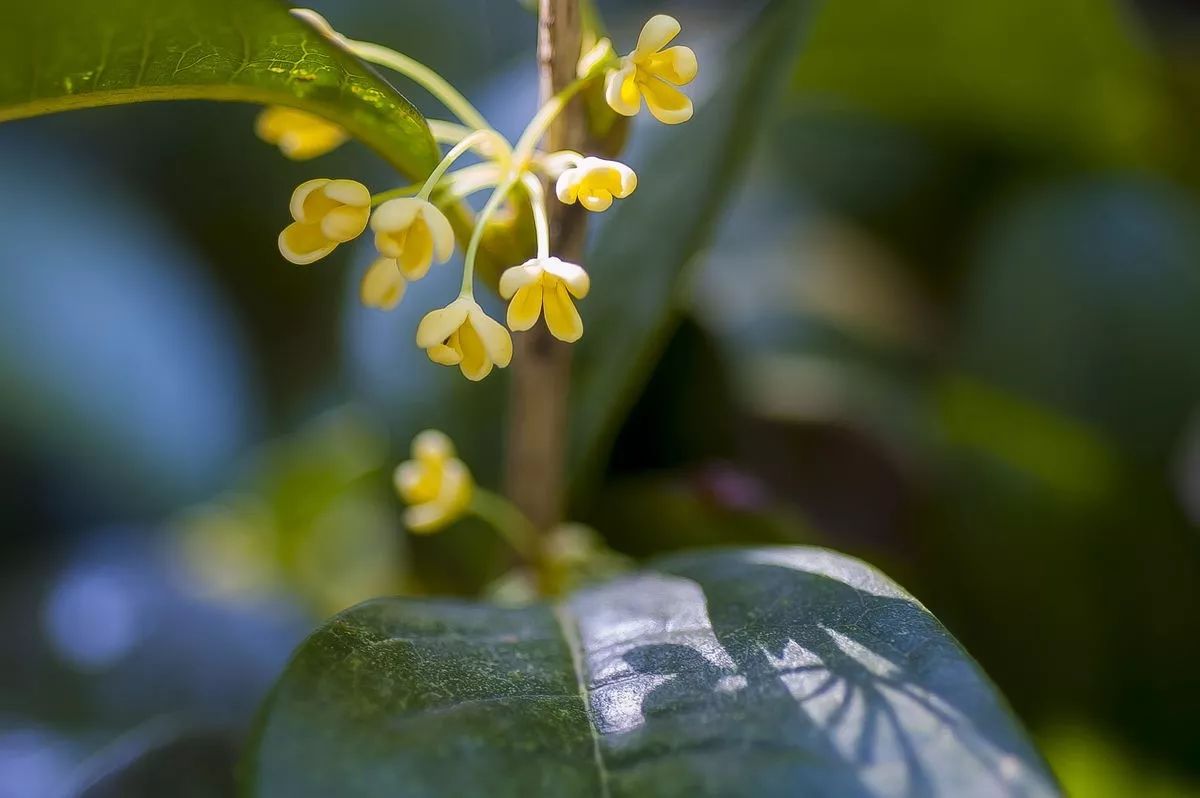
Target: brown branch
{"x": 537, "y": 430}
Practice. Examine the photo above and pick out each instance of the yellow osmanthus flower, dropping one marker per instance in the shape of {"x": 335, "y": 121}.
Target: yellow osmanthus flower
{"x": 327, "y": 213}
{"x": 299, "y": 135}
{"x": 594, "y": 182}
{"x": 462, "y": 335}
{"x": 413, "y": 232}
{"x": 383, "y": 285}
{"x": 549, "y": 284}
{"x": 652, "y": 73}
{"x": 435, "y": 484}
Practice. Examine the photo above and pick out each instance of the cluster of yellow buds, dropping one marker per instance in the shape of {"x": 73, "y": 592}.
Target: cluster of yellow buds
{"x": 411, "y": 232}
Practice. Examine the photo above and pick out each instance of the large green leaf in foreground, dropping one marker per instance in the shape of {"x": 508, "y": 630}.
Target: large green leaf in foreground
{"x": 57, "y": 55}
{"x": 768, "y": 672}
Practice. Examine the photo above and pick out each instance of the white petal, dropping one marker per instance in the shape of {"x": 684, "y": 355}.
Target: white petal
{"x": 395, "y": 215}
{"x": 517, "y": 277}
{"x": 438, "y": 325}
{"x": 621, "y": 91}
{"x": 432, "y": 444}
{"x": 574, "y": 276}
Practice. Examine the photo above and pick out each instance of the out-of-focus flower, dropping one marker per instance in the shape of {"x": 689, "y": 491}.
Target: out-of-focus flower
{"x": 462, "y": 335}
{"x": 549, "y": 284}
{"x": 652, "y": 72}
{"x": 327, "y": 213}
{"x": 413, "y": 232}
{"x": 383, "y": 285}
{"x": 435, "y": 484}
{"x": 594, "y": 182}
{"x": 299, "y": 135}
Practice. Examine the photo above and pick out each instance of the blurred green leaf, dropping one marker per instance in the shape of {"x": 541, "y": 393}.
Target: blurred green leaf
{"x": 1069, "y": 74}
{"x": 765, "y": 672}
{"x": 56, "y": 55}
{"x": 641, "y": 259}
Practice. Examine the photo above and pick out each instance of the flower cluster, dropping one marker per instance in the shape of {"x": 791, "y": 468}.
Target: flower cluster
{"x": 412, "y": 232}
{"x": 435, "y": 484}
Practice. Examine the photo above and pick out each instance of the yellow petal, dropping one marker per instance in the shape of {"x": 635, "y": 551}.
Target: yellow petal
{"x": 596, "y": 200}
{"x": 676, "y": 65}
{"x": 304, "y": 243}
{"x": 517, "y": 277}
{"x": 525, "y": 308}
{"x": 438, "y": 325}
{"x": 495, "y": 338}
{"x": 475, "y": 361}
{"x": 298, "y": 134}
{"x": 391, "y": 245}
{"x": 456, "y": 488}
{"x": 447, "y": 354}
{"x": 441, "y": 231}
{"x": 348, "y": 192}
{"x": 344, "y": 223}
{"x": 418, "y": 251}
{"x": 621, "y": 91}
{"x": 668, "y": 104}
{"x": 600, "y": 52}
{"x": 656, "y": 34}
{"x": 309, "y": 203}
{"x": 561, "y": 316}
{"x": 416, "y": 483}
{"x": 383, "y": 286}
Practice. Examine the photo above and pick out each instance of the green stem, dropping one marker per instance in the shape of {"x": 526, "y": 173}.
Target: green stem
{"x": 545, "y": 117}
{"x": 459, "y": 150}
{"x": 512, "y": 525}
{"x": 434, "y": 83}
{"x": 489, "y": 209}
{"x": 541, "y": 220}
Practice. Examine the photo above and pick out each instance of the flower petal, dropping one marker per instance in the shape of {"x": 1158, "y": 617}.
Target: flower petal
{"x": 475, "y": 363}
{"x": 438, "y": 325}
{"x": 417, "y": 254}
{"x": 574, "y": 276}
{"x": 656, "y": 34}
{"x": 621, "y": 91}
{"x": 440, "y": 229}
{"x": 382, "y": 286}
{"x": 348, "y": 192}
{"x": 495, "y": 338}
{"x": 567, "y": 187}
{"x": 432, "y": 445}
{"x": 344, "y": 223}
{"x": 668, "y": 104}
{"x": 446, "y": 354}
{"x": 304, "y": 243}
{"x": 596, "y": 200}
{"x": 425, "y": 519}
{"x": 308, "y": 203}
{"x": 516, "y": 277}
{"x": 395, "y": 215}
{"x": 525, "y": 308}
{"x": 561, "y": 316}
{"x": 676, "y": 65}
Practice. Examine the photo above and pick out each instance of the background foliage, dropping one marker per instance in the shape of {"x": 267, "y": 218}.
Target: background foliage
{"x": 945, "y": 323}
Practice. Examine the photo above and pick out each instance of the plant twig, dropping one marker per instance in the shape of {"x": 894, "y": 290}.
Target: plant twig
{"x": 537, "y": 426}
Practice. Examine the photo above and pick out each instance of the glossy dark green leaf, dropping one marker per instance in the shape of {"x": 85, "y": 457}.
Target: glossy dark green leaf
{"x": 767, "y": 672}
{"x": 641, "y": 257}
{"x": 57, "y": 55}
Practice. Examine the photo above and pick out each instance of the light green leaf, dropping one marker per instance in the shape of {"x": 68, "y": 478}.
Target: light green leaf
{"x": 56, "y": 55}
{"x": 766, "y": 672}
{"x": 640, "y": 260}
